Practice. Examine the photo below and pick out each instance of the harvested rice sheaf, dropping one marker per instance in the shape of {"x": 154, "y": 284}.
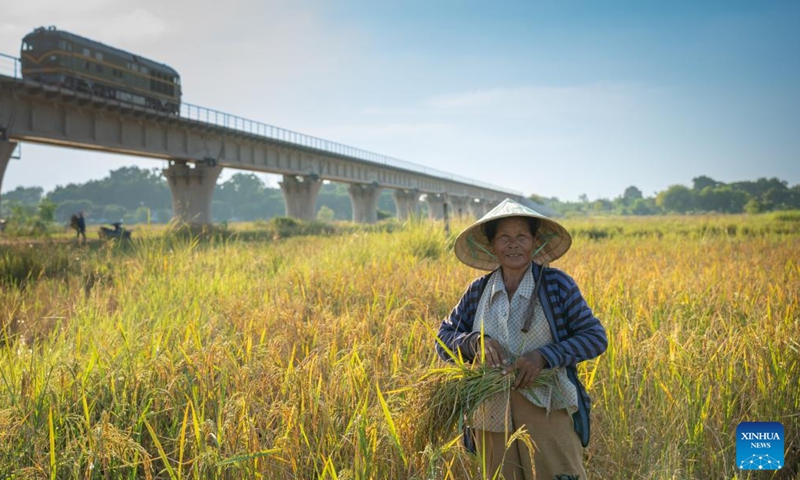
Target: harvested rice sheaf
{"x": 449, "y": 394}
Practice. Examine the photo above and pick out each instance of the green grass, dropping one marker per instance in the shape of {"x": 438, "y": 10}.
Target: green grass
{"x": 253, "y": 355}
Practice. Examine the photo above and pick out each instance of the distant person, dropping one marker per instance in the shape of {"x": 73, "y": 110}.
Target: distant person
{"x": 78, "y": 222}
{"x": 525, "y": 317}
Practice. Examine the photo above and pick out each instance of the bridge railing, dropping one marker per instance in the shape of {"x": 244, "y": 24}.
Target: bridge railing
{"x": 11, "y": 66}
{"x": 225, "y": 120}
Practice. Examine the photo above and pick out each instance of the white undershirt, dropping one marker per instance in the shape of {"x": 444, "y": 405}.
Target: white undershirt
{"x": 502, "y": 320}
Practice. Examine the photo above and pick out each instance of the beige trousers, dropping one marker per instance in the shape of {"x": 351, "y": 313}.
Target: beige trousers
{"x": 557, "y": 448}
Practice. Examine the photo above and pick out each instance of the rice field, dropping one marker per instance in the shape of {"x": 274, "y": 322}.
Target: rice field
{"x": 281, "y": 357}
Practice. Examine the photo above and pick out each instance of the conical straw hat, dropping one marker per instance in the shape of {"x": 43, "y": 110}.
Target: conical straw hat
{"x": 474, "y": 249}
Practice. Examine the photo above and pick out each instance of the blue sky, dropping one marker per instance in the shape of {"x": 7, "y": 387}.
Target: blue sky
{"x": 558, "y": 98}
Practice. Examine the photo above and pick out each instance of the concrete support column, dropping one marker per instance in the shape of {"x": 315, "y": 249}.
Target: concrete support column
{"x": 364, "y": 199}
{"x": 459, "y": 206}
{"x": 435, "y": 203}
{"x": 479, "y": 208}
{"x": 300, "y": 195}
{"x": 6, "y": 150}
{"x": 192, "y": 189}
{"x": 407, "y": 203}
{"x": 490, "y": 204}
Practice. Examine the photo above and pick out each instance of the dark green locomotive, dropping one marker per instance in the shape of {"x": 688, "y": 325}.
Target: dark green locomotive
{"x": 61, "y": 58}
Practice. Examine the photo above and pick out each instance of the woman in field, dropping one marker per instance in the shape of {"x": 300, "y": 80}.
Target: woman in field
{"x": 525, "y": 317}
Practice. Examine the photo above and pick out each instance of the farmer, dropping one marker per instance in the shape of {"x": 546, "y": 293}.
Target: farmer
{"x": 525, "y": 317}
{"x": 78, "y": 222}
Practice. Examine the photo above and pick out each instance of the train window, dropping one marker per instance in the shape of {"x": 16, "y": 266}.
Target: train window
{"x": 98, "y": 56}
{"x": 98, "y": 68}
{"x": 62, "y": 44}
{"x": 86, "y": 52}
{"x": 87, "y": 65}
{"x": 53, "y": 58}
{"x": 26, "y": 47}
{"x": 144, "y": 70}
{"x": 135, "y": 67}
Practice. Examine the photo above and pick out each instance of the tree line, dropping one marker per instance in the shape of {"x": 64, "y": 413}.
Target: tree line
{"x": 135, "y": 195}
{"x": 705, "y": 195}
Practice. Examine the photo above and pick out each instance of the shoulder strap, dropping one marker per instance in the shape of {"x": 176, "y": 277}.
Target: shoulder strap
{"x": 483, "y": 282}
{"x": 528, "y": 316}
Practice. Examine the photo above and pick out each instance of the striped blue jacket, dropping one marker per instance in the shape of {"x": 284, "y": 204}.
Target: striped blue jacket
{"x": 577, "y": 333}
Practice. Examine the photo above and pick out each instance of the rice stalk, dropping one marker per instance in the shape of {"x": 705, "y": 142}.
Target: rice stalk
{"x": 448, "y": 395}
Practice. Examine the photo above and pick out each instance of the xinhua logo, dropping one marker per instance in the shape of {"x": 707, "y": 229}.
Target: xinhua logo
{"x": 759, "y": 445}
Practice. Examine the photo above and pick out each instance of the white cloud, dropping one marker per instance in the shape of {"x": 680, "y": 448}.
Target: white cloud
{"x": 130, "y": 26}
{"x": 523, "y": 119}
{"x": 595, "y": 100}
{"x": 48, "y": 10}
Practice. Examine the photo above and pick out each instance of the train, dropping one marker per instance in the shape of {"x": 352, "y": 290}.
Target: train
{"x": 57, "y": 57}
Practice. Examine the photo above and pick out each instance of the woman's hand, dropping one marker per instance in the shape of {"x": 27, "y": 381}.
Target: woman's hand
{"x": 494, "y": 354}
{"x": 528, "y": 368}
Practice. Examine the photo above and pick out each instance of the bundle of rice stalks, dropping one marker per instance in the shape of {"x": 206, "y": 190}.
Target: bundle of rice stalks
{"x": 449, "y": 394}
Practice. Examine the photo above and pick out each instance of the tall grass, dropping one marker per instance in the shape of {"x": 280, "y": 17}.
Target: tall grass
{"x": 228, "y": 357}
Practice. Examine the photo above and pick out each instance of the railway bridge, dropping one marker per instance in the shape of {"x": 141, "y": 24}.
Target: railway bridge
{"x": 200, "y": 142}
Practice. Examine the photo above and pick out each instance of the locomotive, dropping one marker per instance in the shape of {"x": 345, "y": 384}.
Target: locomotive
{"x": 61, "y": 58}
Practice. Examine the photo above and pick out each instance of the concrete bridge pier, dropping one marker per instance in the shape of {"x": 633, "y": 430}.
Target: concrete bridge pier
{"x": 192, "y": 189}
{"x": 479, "y": 207}
{"x": 407, "y": 203}
{"x": 459, "y": 206}
{"x": 436, "y": 205}
{"x": 300, "y": 195}
{"x": 6, "y": 150}
{"x": 364, "y": 199}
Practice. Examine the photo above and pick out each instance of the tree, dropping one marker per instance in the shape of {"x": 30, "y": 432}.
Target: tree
{"x": 793, "y": 202}
{"x": 701, "y": 182}
{"x": 722, "y": 199}
{"x": 335, "y": 197}
{"x": 758, "y": 188}
{"x": 112, "y": 213}
{"x": 754, "y": 206}
{"x": 777, "y": 198}
{"x": 243, "y": 195}
{"x": 676, "y": 198}
{"x": 67, "y": 208}
{"x": 130, "y": 187}
{"x": 325, "y": 214}
{"x": 632, "y": 193}
{"x": 640, "y": 207}
{"x": 47, "y": 212}
{"x": 386, "y": 205}
{"x": 25, "y": 195}
{"x": 602, "y": 205}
